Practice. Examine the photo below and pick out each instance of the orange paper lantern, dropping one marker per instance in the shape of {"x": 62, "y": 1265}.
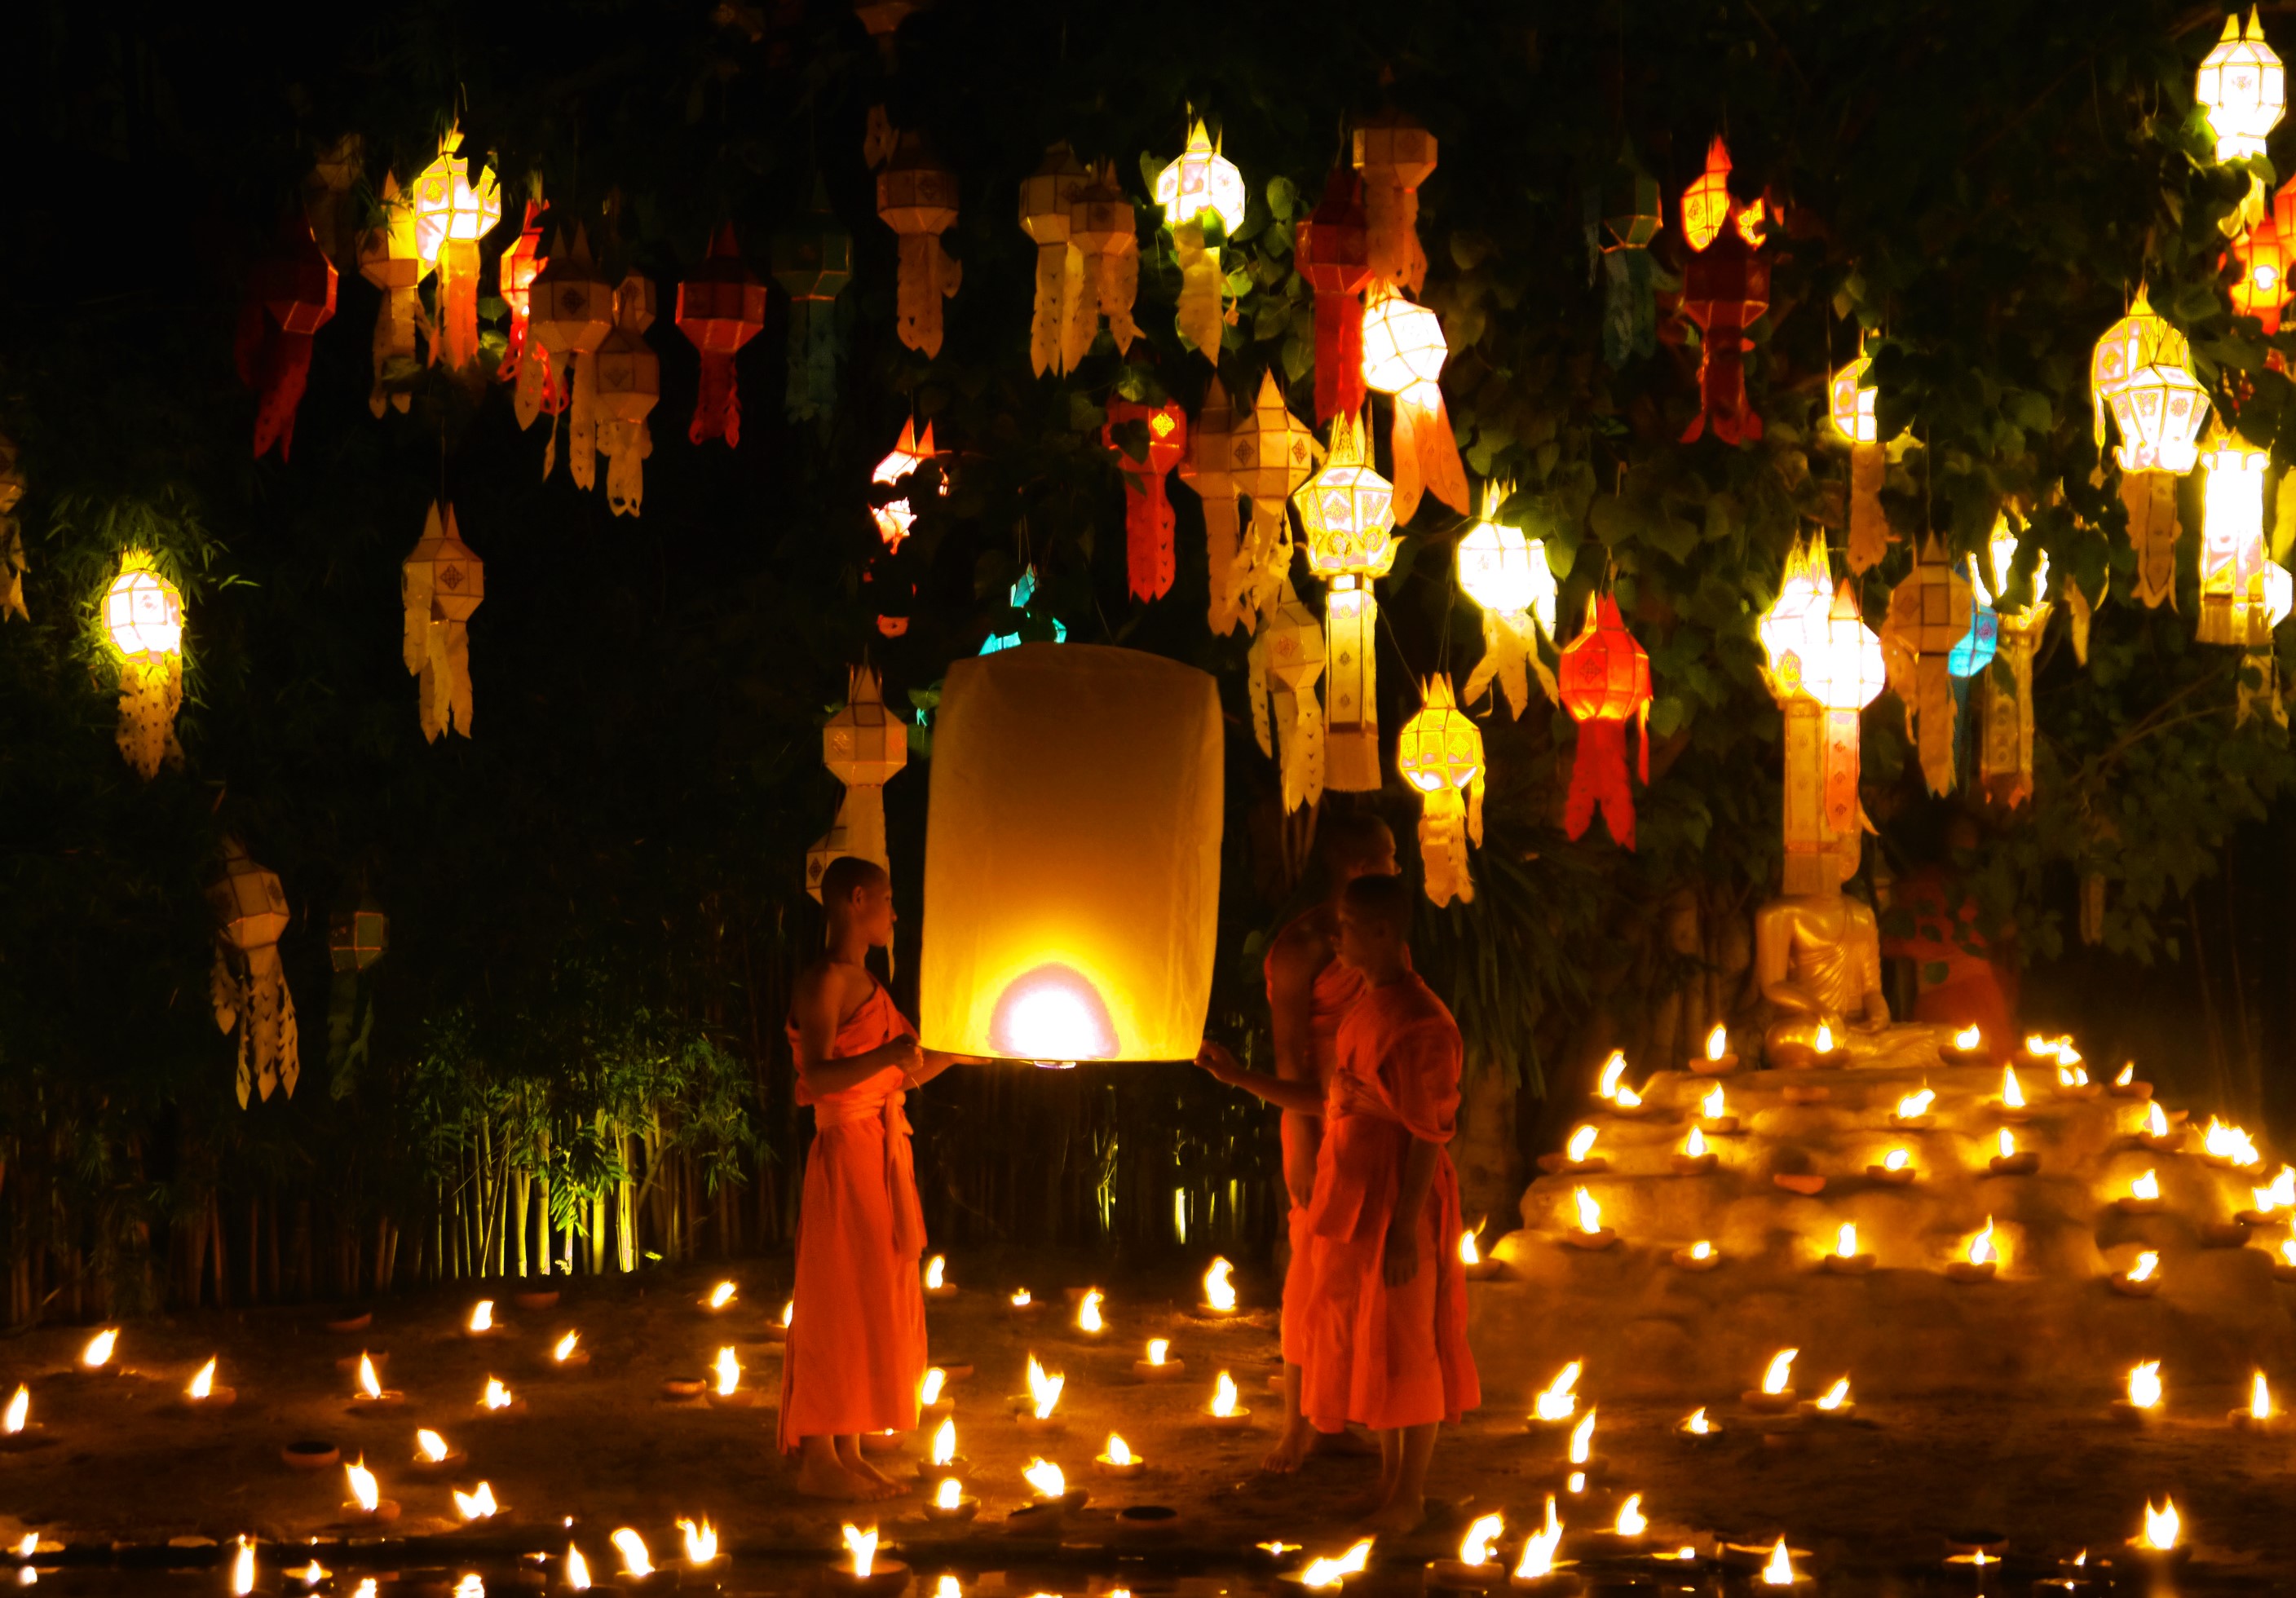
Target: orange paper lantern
{"x": 895, "y": 516}
{"x": 1331, "y": 253}
{"x": 1605, "y": 681}
{"x": 721, "y": 307}
{"x": 289, "y": 296}
{"x": 1726, "y": 289}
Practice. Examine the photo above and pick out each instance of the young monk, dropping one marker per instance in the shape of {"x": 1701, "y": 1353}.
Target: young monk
{"x": 1310, "y": 989}
{"x": 1385, "y": 1316}
{"x": 856, "y": 1352}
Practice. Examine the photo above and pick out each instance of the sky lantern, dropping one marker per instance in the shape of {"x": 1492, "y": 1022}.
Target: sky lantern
{"x": 1347, "y": 511}
{"x": 1331, "y": 250}
{"x": 388, "y": 259}
{"x": 1395, "y": 155}
{"x": 1439, "y": 752}
{"x": 2241, "y": 88}
{"x": 812, "y": 261}
{"x": 1624, "y": 213}
{"x": 896, "y": 517}
{"x": 1147, "y": 509}
{"x": 1072, "y": 848}
{"x": 248, "y": 985}
{"x": 1605, "y": 681}
{"x": 2005, "y": 760}
{"x": 1403, "y": 356}
{"x": 289, "y": 295}
{"x": 441, "y": 586}
{"x": 1509, "y": 580}
{"x": 721, "y": 307}
{"x": 1825, "y": 666}
{"x": 629, "y": 385}
{"x": 864, "y": 747}
{"x": 1286, "y": 657}
{"x": 1103, "y": 257}
{"x": 917, "y": 198}
{"x": 2260, "y": 288}
{"x": 2142, "y": 373}
{"x": 570, "y": 311}
{"x": 1201, "y": 182}
{"x": 1850, "y": 405}
{"x": 1275, "y": 453}
{"x": 1726, "y": 289}
{"x": 1047, "y": 195}
{"x": 1930, "y": 612}
{"x": 452, "y": 213}
{"x": 143, "y": 619}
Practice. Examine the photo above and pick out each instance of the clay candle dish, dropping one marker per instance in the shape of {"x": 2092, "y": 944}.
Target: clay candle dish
{"x": 2127, "y": 1086}
{"x": 1224, "y": 1412}
{"x": 1700, "y": 1256}
{"x": 2013, "y": 1161}
{"x": 1556, "y": 1405}
{"x": 2143, "y": 1196}
{"x": 863, "y": 1574}
{"x": 1159, "y": 1366}
{"x": 481, "y": 1322}
{"x": 1966, "y": 1047}
{"x": 1714, "y": 1115}
{"x": 1718, "y": 1060}
{"x": 949, "y": 1506}
{"x": 2224, "y": 1234}
{"x": 1914, "y": 1112}
{"x": 2140, "y": 1280}
{"x": 1478, "y": 1266}
{"x": 1219, "y": 1292}
{"x": 937, "y": 1282}
{"x": 433, "y": 1454}
{"x": 1474, "y": 1570}
{"x": 1834, "y": 1404}
{"x": 1775, "y": 1396}
{"x": 1695, "y": 1158}
{"x": 1896, "y": 1170}
{"x": 567, "y": 1353}
{"x": 203, "y": 1394}
{"x": 1117, "y": 1460}
{"x": 1844, "y": 1260}
{"x": 1805, "y": 1093}
{"x": 1695, "y": 1429}
{"x": 2145, "y": 1402}
{"x": 1577, "y": 1158}
{"x": 2258, "y": 1415}
{"x": 371, "y": 1395}
{"x": 777, "y": 1332}
{"x": 1590, "y": 1233}
{"x": 365, "y": 1506}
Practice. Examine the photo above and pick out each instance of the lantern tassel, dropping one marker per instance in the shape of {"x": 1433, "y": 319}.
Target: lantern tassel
{"x": 626, "y": 445}
{"x": 1256, "y": 690}
{"x": 1059, "y": 284}
{"x": 1598, "y": 781}
{"x": 1262, "y": 563}
{"x": 1510, "y": 655}
{"x": 151, "y": 693}
{"x": 1339, "y": 354}
{"x": 2151, "y": 500}
{"x": 1116, "y": 276}
{"x": 457, "y": 342}
{"x": 1443, "y": 848}
{"x": 929, "y": 275}
{"x": 717, "y": 406}
{"x": 1425, "y": 453}
{"x": 1198, "y": 317}
{"x": 1223, "y": 525}
{"x": 1869, "y": 527}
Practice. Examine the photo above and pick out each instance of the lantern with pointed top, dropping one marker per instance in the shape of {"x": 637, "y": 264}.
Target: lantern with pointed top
{"x": 1930, "y": 613}
{"x": 1404, "y": 352}
{"x": 1199, "y": 182}
{"x": 1604, "y": 679}
{"x": 1047, "y": 197}
{"x": 1707, "y": 207}
{"x": 896, "y": 517}
{"x": 1726, "y": 289}
{"x": 525, "y": 364}
{"x": 917, "y": 198}
{"x": 1147, "y": 511}
{"x": 570, "y": 311}
{"x": 1331, "y": 253}
{"x": 1286, "y": 657}
{"x": 812, "y": 261}
{"x": 452, "y": 213}
{"x": 1850, "y": 400}
{"x": 387, "y": 259}
{"x": 1509, "y": 580}
{"x": 1441, "y": 753}
{"x": 289, "y": 295}
{"x": 2243, "y": 89}
{"x": 1105, "y": 258}
{"x": 248, "y": 986}
{"x": 1396, "y": 155}
{"x": 441, "y": 586}
{"x": 2232, "y": 543}
{"x": 2005, "y": 760}
{"x": 1274, "y": 453}
{"x": 864, "y": 747}
{"x": 1348, "y": 511}
{"x": 1825, "y": 666}
{"x": 142, "y": 617}
{"x": 2141, "y": 371}
{"x": 721, "y": 307}
{"x": 1623, "y": 214}
{"x": 629, "y": 385}
{"x": 1210, "y": 469}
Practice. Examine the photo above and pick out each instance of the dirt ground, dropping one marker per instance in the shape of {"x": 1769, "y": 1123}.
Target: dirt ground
{"x": 120, "y": 1458}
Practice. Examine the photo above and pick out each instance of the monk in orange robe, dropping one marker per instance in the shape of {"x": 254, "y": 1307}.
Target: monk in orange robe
{"x": 1310, "y": 989}
{"x": 1385, "y": 1317}
{"x": 856, "y": 1351}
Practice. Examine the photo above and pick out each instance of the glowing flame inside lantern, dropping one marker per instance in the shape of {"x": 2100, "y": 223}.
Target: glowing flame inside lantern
{"x": 203, "y": 1384}
{"x": 1118, "y": 1451}
{"x": 1323, "y": 1573}
{"x": 2012, "y": 1093}
{"x": 1606, "y": 1085}
{"x": 1590, "y": 1214}
{"x": 480, "y": 1505}
{"x": 1781, "y": 1372}
{"x": 2146, "y": 1186}
{"x": 1475, "y": 1547}
{"x": 1968, "y": 1038}
{"x": 578, "y": 1569}
{"x": 1580, "y": 1144}
{"x": 1698, "y": 1425}
{"x": 1224, "y": 1395}
{"x": 1717, "y": 1043}
{"x": 1845, "y": 1243}
{"x": 1702, "y": 1250}
{"x": 700, "y": 1541}
{"x": 1582, "y": 1440}
{"x": 1044, "y": 1479}
{"x": 1219, "y": 1292}
{"x": 1823, "y": 1043}
{"x": 1896, "y": 1160}
{"x": 1559, "y": 1399}
{"x": 721, "y": 1295}
{"x": 1779, "y": 1571}
{"x": 1632, "y": 1522}
{"x": 1021, "y": 1299}
{"x": 2162, "y": 1526}
{"x": 98, "y": 1352}
{"x": 1088, "y": 1313}
{"x": 1044, "y": 1390}
{"x": 2145, "y": 1385}
{"x": 482, "y": 1316}
{"x": 368, "y": 1383}
{"x": 2146, "y": 1264}
{"x": 1052, "y": 1013}
{"x": 430, "y": 1447}
{"x": 2156, "y": 1123}
{"x": 1835, "y": 1396}
{"x": 1981, "y": 1247}
{"x": 929, "y": 1389}
{"x": 2008, "y": 1141}
{"x": 2127, "y": 1075}
{"x": 631, "y": 1546}
{"x": 364, "y": 1491}
{"x": 1539, "y": 1549}
{"x": 1914, "y": 1105}
{"x": 936, "y": 1272}
{"x": 242, "y": 1568}
{"x": 728, "y": 1370}
{"x": 1468, "y": 1253}
{"x": 497, "y": 1395}
{"x": 1626, "y": 1098}
{"x": 944, "y": 1443}
{"x": 1158, "y": 1347}
{"x": 1714, "y": 1106}
{"x": 1694, "y": 1144}
{"x": 950, "y": 1494}
{"x": 563, "y": 1349}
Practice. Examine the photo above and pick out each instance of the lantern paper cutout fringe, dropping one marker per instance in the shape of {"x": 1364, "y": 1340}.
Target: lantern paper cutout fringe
{"x": 1403, "y": 354}
{"x": 864, "y": 746}
{"x": 1147, "y": 510}
{"x": 248, "y": 985}
{"x": 1286, "y": 657}
{"x": 1441, "y": 753}
{"x": 2004, "y": 762}
{"x": 1930, "y": 611}
{"x": 1275, "y": 453}
{"x": 388, "y": 259}
{"x": 571, "y": 310}
{"x": 1604, "y": 679}
{"x": 1624, "y": 214}
{"x": 142, "y": 618}
{"x": 451, "y": 215}
{"x": 1823, "y": 667}
{"x": 1850, "y": 402}
{"x": 1101, "y": 267}
{"x": 525, "y": 364}
{"x": 721, "y": 307}
{"x": 289, "y": 295}
{"x": 812, "y": 262}
{"x": 1201, "y": 182}
{"x": 1726, "y": 289}
{"x": 12, "y": 535}
{"x": 629, "y": 385}
{"x": 917, "y": 198}
{"x": 1396, "y": 155}
{"x": 1331, "y": 250}
{"x": 2142, "y": 373}
{"x": 1347, "y": 510}
{"x": 1047, "y": 196}
{"x": 1208, "y": 469}
{"x": 1509, "y": 580}
{"x": 442, "y": 584}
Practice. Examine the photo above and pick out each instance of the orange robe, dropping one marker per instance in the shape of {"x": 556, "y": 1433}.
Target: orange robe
{"x": 1335, "y": 989}
{"x": 1377, "y": 1356}
{"x": 856, "y": 1351}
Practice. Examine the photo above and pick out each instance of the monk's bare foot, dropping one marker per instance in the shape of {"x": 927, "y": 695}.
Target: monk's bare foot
{"x": 1346, "y": 1444}
{"x": 869, "y": 1472}
{"x": 1290, "y": 1449}
{"x": 1399, "y": 1517}
{"x": 1363, "y": 1506}
{"x": 827, "y": 1478}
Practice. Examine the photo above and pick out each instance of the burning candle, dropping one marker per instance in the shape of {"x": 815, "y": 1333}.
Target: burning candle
{"x": 1822, "y": 1046}
{"x": 1695, "y": 1428}
{"x": 17, "y": 1416}
{"x": 432, "y": 1452}
{"x": 1693, "y": 1159}
{"x": 1474, "y": 1569}
{"x": 2013, "y": 1092}
{"x": 1219, "y": 1292}
{"x": 1560, "y": 1397}
{"x": 2140, "y": 1278}
{"x": 242, "y": 1568}
{"x": 1538, "y": 1570}
{"x": 1775, "y": 1396}
{"x": 2145, "y": 1393}
{"x": 1224, "y": 1411}
{"x": 2156, "y": 1121}
{"x": 202, "y": 1391}
{"x": 1625, "y": 1101}
{"x": 789, "y": 1318}
{"x": 1117, "y": 1460}
{"x": 1581, "y": 1451}
{"x": 2228, "y": 1145}
{"x": 2258, "y": 1413}
{"x": 1328, "y": 1574}
{"x": 1020, "y": 1299}
{"x": 366, "y": 1501}
{"x": 370, "y": 1391}
{"x": 480, "y": 1505}
{"x": 930, "y": 1386}
{"x": 1778, "y": 1570}
{"x": 1088, "y": 1317}
{"x": 2143, "y": 1196}
{"x": 578, "y": 1569}
{"x": 1717, "y": 1057}
{"x": 937, "y": 1282}
{"x": 1834, "y": 1402}
{"x": 2163, "y": 1529}
{"x": 1606, "y": 1084}
{"x": 1044, "y": 1393}
{"x": 1968, "y": 1042}
{"x": 98, "y": 1352}
{"x": 1914, "y": 1108}
{"x": 1469, "y": 1255}
{"x": 1983, "y": 1259}
{"x": 719, "y": 1296}
{"x": 497, "y": 1399}
{"x": 2011, "y": 1160}
{"x": 1631, "y": 1522}
{"x": 1590, "y": 1233}
{"x": 701, "y": 1542}
{"x": 1845, "y": 1258}
{"x": 1046, "y": 1480}
{"x": 635, "y": 1561}
{"x": 1159, "y": 1366}
{"x": 949, "y": 1503}
{"x": 482, "y": 1318}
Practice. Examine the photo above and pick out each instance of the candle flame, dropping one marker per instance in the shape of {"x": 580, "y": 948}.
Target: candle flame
{"x": 728, "y": 1370}
{"x": 789, "y": 1314}
{"x": 1044, "y": 1390}
{"x": 1694, "y": 1144}
{"x": 578, "y": 1569}
{"x": 1021, "y": 1299}
{"x": 1698, "y": 1425}
{"x": 1714, "y": 1106}
{"x": 636, "y": 1562}
{"x": 1539, "y": 1549}
{"x": 949, "y": 1587}
{"x": 368, "y": 1382}
{"x": 2008, "y": 1144}
{"x": 1224, "y": 1395}
{"x": 936, "y": 1272}
{"x": 1581, "y": 1144}
{"x": 721, "y": 1295}
{"x": 1330, "y": 1572}
{"x": 563, "y": 1349}
{"x": 1779, "y": 1571}
{"x": 944, "y": 1443}
{"x": 2145, "y": 1385}
{"x": 1118, "y": 1451}
{"x": 1045, "y": 1478}
{"x": 700, "y": 1541}
{"x": 2282, "y": 1192}
{"x": 1967, "y": 1039}
{"x": 1835, "y": 1396}
{"x": 1896, "y": 1160}
{"x": 1914, "y": 1105}
{"x": 1468, "y": 1253}
{"x": 2161, "y": 1525}
{"x": 1590, "y": 1214}
{"x": 2229, "y": 1143}
{"x": 929, "y": 1389}
{"x": 2146, "y": 1186}
{"x": 480, "y": 1505}
{"x": 1626, "y": 1098}
{"x": 950, "y": 1494}
{"x": 1557, "y": 1402}
{"x": 1582, "y": 1440}
{"x": 1607, "y": 1084}
{"x": 1702, "y": 1250}
{"x": 364, "y": 1491}
{"x": 1088, "y": 1313}
{"x": 1218, "y": 1291}
{"x": 482, "y": 1316}
{"x": 19, "y": 1410}
{"x": 1158, "y": 1347}
{"x": 1845, "y": 1243}
{"x": 2013, "y": 1092}
{"x": 1981, "y": 1247}
{"x": 2146, "y": 1264}
{"x": 1781, "y": 1372}
{"x": 2156, "y": 1123}
{"x": 2260, "y": 1398}
{"x": 2127, "y": 1075}
{"x": 203, "y": 1384}
{"x": 1718, "y": 1041}
{"x": 98, "y": 1352}
{"x": 1632, "y": 1521}
{"x": 863, "y": 1547}
{"x": 430, "y": 1447}
{"x": 2071, "y": 1076}
{"x": 1823, "y": 1043}
{"x": 497, "y": 1396}
{"x": 242, "y": 1568}
{"x": 1475, "y": 1547}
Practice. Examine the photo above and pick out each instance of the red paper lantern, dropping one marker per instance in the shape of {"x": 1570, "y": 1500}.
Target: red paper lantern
{"x": 514, "y": 283}
{"x": 1605, "y": 681}
{"x": 1147, "y": 512}
{"x": 1726, "y": 289}
{"x": 2262, "y": 289}
{"x": 1332, "y": 253}
{"x": 721, "y": 307}
{"x": 289, "y": 296}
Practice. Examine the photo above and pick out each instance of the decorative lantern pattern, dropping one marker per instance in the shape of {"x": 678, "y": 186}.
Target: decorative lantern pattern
{"x": 812, "y": 262}
{"x": 2232, "y": 544}
{"x": 2261, "y": 288}
{"x": 143, "y": 617}
{"x": 1199, "y": 182}
{"x": 864, "y": 747}
{"x": 2241, "y": 88}
{"x": 570, "y": 311}
{"x": 1930, "y": 613}
{"x": 896, "y": 517}
{"x": 917, "y": 198}
{"x": 1103, "y": 261}
{"x": 1403, "y": 356}
{"x": 2141, "y": 372}
{"x": 1274, "y": 453}
{"x": 1706, "y": 206}
{"x": 2005, "y": 760}
{"x": 1047, "y": 196}
{"x": 1286, "y": 657}
{"x": 1604, "y": 679}
{"x": 387, "y": 259}
{"x": 1850, "y": 402}
{"x": 1147, "y": 511}
{"x": 1508, "y": 577}
{"x": 1624, "y": 213}
{"x": 1439, "y": 752}
{"x": 1331, "y": 249}
{"x": 1825, "y": 666}
{"x": 1348, "y": 511}
{"x": 1210, "y": 469}
{"x": 441, "y": 585}
{"x": 1395, "y": 155}
{"x": 721, "y": 307}
{"x": 248, "y": 985}
{"x": 1726, "y": 289}
{"x": 525, "y": 364}
{"x": 289, "y": 295}
{"x": 451, "y": 215}
{"x": 629, "y": 385}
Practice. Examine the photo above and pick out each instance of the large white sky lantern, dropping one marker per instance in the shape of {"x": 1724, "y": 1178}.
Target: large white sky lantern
{"x": 1071, "y": 856}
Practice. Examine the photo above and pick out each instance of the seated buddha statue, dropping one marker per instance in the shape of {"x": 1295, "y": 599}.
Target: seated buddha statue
{"x": 1817, "y": 957}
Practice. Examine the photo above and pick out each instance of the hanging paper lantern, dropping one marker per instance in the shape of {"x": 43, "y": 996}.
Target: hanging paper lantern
{"x": 12, "y": 535}
{"x": 1348, "y": 511}
{"x": 629, "y": 385}
{"x": 2004, "y": 758}
{"x": 1104, "y": 247}
{"x": 884, "y": 19}
{"x": 895, "y": 516}
{"x": 1624, "y": 213}
{"x": 1851, "y": 406}
{"x": 1395, "y": 155}
{"x": 1605, "y": 681}
{"x": 721, "y": 307}
{"x": 1509, "y": 580}
{"x": 864, "y": 747}
{"x": 1726, "y": 289}
{"x": 388, "y": 259}
{"x": 570, "y": 311}
{"x": 2141, "y": 372}
{"x": 290, "y": 295}
{"x": 2242, "y": 89}
{"x": 917, "y": 198}
{"x": 1930, "y": 612}
{"x": 248, "y": 986}
{"x": 2261, "y": 288}
{"x": 1210, "y": 469}
{"x": 1404, "y": 351}
{"x": 2232, "y": 543}
{"x": 812, "y": 262}
{"x": 525, "y": 364}
{"x": 1201, "y": 182}
{"x": 1286, "y": 657}
{"x": 1147, "y": 511}
{"x": 1274, "y": 453}
{"x": 1706, "y": 206}
{"x": 441, "y": 585}
{"x": 1332, "y": 253}
{"x": 1047, "y": 198}
{"x": 358, "y": 937}
{"x": 1439, "y": 752}
{"x": 1824, "y": 666}
{"x": 451, "y": 215}
{"x": 334, "y": 172}
{"x": 143, "y": 616}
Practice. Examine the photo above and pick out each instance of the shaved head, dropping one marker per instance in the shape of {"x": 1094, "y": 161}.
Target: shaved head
{"x": 1354, "y": 843}
{"x": 847, "y": 875}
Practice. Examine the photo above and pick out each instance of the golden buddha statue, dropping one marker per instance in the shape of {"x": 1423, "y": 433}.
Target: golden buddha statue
{"x": 1818, "y": 958}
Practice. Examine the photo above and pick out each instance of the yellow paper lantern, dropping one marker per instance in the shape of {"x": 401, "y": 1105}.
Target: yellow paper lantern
{"x": 2141, "y": 373}
{"x": 1201, "y": 182}
{"x": 248, "y": 986}
{"x": 864, "y": 746}
{"x": 2004, "y": 755}
{"x": 143, "y": 620}
{"x": 1286, "y": 657}
{"x": 452, "y": 213}
{"x": 441, "y": 586}
{"x": 1275, "y": 452}
{"x": 1347, "y": 510}
{"x": 2232, "y": 544}
{"x": 1071, "y": 856}
{"x": 1825, "y": 666}
{"x": 2243, "y": 89}
{"x": 1507, "y": 575}
{"x": 1850, "y": 404}
{"x": 1403, "y": 354}
{"x": 1441, "y": 753}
